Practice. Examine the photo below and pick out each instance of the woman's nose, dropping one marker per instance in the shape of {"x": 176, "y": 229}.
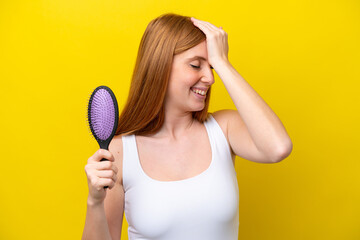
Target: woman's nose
{"x": 208, "y": 76}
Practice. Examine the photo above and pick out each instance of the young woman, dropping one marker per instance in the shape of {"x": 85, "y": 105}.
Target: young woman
{"x": 171, "y": 165}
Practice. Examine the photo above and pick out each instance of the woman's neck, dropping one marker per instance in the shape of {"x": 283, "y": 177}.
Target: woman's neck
{"x": 176, "y": 125}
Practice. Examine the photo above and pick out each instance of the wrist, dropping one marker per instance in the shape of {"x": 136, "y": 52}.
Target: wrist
{"x": 221, "y": 64}
{"x": 94, "y": 203}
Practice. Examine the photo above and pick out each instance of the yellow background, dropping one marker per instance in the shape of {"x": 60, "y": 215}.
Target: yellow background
{"x": 301, "y": 56}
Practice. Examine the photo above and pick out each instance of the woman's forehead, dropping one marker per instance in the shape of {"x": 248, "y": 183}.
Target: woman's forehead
{"x": 198, "y": 50}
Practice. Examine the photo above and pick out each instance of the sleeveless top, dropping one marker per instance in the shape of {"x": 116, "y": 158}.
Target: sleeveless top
{"x": 203, "y": 207}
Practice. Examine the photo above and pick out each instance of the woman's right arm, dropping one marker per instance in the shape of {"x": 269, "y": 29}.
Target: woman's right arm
{"x": 105, "y": 207}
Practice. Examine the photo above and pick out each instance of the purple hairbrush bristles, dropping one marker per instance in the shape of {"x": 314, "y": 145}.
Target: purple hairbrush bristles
{"x": 102, "y": 114}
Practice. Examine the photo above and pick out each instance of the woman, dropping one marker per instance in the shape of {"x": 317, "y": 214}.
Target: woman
{"x": 171, "y": 165}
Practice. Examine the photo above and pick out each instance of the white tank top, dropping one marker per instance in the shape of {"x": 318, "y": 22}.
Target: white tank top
{"x": 203, "y": 207}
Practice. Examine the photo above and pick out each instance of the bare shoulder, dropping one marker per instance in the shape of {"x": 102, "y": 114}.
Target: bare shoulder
{"x": 116, "y": 149}
{"x": 222, "y": 117}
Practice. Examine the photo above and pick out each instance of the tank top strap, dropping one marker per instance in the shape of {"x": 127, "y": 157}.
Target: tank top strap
{"x": 218, "y": 139}
{"x": 131, "y": 168}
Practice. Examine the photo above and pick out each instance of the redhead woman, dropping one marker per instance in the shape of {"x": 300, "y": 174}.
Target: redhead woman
{"x": 171, "y": 163}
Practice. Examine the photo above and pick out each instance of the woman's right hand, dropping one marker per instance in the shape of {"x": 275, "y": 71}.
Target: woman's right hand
{"x": 100, "y": 174}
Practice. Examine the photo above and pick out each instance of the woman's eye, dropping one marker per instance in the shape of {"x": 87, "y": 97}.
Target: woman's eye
{"x": 194, "y": 66}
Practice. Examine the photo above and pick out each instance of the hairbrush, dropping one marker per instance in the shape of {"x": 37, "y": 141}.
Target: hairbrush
{"x": 103, "y": 116}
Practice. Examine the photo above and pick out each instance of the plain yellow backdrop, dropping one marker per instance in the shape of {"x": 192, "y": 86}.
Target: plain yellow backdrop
{"x": 301, "y": 56}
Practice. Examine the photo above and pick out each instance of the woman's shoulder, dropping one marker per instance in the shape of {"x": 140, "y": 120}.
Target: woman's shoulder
{"x": 116, "y": 149}
{"x": 222, "y": 117}
{"x": 116, "y": 145}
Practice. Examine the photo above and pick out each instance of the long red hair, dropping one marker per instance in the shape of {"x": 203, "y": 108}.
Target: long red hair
{"x": 164, "y": 37}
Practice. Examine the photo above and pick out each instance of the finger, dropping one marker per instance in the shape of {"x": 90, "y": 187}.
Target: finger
{"x": 214, "y": 28}
{"x": 104, "y": 165}
{"x": 208, "y": 29}
{"x": 203, "y": 28}
{"x": 211, "y": 29}
{"x": 207, "y": 24}
{"x": 210, "y": 26}
{"x": 103, "y": 153}
{"x": 107, "y": 174}
{"x": 100, "y": 154}
{"x": 100, "y": 166}
{"x": 102, "y": 182}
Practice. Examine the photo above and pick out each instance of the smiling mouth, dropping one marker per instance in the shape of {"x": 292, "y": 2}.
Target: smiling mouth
{"x": 199, "y": 91}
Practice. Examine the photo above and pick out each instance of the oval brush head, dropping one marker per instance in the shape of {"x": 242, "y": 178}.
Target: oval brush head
{"x": 103, "y": 116}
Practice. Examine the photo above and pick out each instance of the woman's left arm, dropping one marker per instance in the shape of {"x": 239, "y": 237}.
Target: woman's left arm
{"x": 265, "y": 128}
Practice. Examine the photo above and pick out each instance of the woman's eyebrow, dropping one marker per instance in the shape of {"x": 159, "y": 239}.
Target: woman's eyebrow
{"x": 197, "y": 57}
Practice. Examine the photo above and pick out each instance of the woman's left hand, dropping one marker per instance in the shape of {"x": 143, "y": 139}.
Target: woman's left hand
{"x": 216, "y": 41}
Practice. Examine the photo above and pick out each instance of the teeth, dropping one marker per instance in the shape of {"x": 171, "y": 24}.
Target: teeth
{"x": 201, "y": 92}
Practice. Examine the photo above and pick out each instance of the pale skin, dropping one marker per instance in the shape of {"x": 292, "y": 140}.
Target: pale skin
{"x": 181, "y": 148}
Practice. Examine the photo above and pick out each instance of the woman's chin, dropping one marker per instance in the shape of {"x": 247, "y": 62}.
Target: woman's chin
{"x": 198, "y": 108}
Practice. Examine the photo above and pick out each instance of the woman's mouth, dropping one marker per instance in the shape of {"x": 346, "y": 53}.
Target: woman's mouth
{"x": 199, "y": 92}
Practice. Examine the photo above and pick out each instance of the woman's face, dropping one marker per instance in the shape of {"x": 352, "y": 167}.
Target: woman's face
{"x": 190, "y": 78}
